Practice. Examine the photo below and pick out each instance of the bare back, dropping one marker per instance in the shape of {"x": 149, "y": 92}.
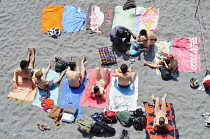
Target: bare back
{"x": 73, "y": 78}
{"x": 23, "y": 73}
{"x": 124, "y": 79}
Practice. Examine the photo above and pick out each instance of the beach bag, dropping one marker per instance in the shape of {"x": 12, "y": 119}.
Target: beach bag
{"x": 139, "y": 120}
{"x": 99, "y": 127}
{"x": 165, "y": 73}
{"x": 110, "y": 117}
{"x": 84, "y": 124}
{"x": 124, "y": 118}
{"x": 60, "y": 65}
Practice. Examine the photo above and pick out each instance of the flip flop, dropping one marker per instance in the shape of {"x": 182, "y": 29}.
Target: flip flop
{"x": 40, "y": 127}
{"x": 46, "y": 127}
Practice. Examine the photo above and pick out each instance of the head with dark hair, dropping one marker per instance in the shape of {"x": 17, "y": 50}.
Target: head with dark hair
{"x": 72, "y": 65}
{"x": 124, "y": 68}
{"x": 143, "y": 32}
{"x": 121, "y": 33}
{"x": 161, "y": 121}
{"x": 24, "y": 64}
{"x": 95, "y": 89}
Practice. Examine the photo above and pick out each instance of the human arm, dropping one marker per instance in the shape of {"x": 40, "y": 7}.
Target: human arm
{"x": 154, "y": 124}
{"x": 16, "y": 78}
{"x": 134, "y": 36}
{"x": 103, "y": 94}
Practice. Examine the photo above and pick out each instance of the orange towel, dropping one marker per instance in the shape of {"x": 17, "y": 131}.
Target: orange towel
{"x": 52, "y": 17}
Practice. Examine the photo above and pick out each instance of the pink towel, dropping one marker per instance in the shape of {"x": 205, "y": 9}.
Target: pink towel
{"x": 187, "y": 52}
{"x": 96, "y": 102}
{"x": 96, "y": 19}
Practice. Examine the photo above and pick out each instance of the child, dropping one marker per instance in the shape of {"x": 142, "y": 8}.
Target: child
{"x": 41, "y": 81}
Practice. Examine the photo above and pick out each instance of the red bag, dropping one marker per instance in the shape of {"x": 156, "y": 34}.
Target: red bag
{"x": 110, "y": 117}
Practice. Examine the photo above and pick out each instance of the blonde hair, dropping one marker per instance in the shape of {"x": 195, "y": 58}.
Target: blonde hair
{"x": 38, "y": 74}
{"x": 172, "y": 57}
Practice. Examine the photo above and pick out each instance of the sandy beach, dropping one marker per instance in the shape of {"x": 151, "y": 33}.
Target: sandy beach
{"x": 20, "y": 29}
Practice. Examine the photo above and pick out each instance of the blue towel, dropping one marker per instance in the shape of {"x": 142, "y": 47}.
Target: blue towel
{"x": 51, "y": 75}
{"x": 71, "y": 97}
{"x": 73, "y": 19}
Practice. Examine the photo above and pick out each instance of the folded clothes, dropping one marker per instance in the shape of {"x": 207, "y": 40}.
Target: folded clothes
{"x": 69, "y": 118}
{"x": 70, "y": 110}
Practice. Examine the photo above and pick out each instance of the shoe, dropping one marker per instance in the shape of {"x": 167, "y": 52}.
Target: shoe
{"x": 40, "y": 127}
{"x": 126, "y": 135}
{"x": 46, "y": 127}
{"x": 122, "y": 134}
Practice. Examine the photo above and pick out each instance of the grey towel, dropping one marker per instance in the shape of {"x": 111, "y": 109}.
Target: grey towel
{"x": 70, "y": 109}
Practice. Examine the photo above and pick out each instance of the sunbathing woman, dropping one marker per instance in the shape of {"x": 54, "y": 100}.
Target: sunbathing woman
{"x": 100, "y": 84}
{"x": 160, "y": 119}
{"x": 41, "y": 81}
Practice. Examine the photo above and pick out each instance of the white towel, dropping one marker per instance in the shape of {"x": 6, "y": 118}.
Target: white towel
{"x": 67, "y": 117}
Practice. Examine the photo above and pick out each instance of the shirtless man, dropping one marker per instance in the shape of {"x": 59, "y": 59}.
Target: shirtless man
{"x": 44, "y": 84}
{"x": 160, "y": 119}
{"x": 26, "y": 68}
{"x": 100, "y": 84}
{"x": 125, "y": 76}
{"x": 74, "y": 76}
{"x": 147, "y": 37}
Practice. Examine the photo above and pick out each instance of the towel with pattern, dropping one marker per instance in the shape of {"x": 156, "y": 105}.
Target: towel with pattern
{"x": 107, "y": 55}
{"x": 97, "y": 101}
{"x": 171, "y": 133}
{"x": 123, "y": 98}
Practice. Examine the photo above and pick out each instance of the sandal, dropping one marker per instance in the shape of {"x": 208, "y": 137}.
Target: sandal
{"x": 40, "y": 127}
{"x": 45, "y": 127}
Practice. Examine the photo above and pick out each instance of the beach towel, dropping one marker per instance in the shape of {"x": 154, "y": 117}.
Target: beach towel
{"x": 147, "y": 20}
{"x": 100, "y": 18}
{"x": 172, "y": 131}
{"x": 187, "y": 52}
{"x": 124, "y": 18}
{"x": 51, "y": 75}
{"x": 24, "y": 92}
{"x": 73, "y": 19}
{"x": 72, "y": 97}
{"x": 121, "y": 98}
{"x": 106, "y": 55}
{"x": 97, "y": 101}
{"x": 164, "y": 46}
{"x": 52, "y": 17}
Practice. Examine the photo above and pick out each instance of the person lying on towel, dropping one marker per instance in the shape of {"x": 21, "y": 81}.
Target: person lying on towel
{"x": 100, "y": 84}
{"x": 74, "y": 75}
{"x": 26, "y": 68}
{"x": 160, "y": 119}
{"x": 147, "y": 37}
{"x": 121, "y": 36}
{"x": 125, "y": 76}
{"x": 41, "y": 81}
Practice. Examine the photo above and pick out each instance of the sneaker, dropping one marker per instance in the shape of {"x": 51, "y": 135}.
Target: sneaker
{"x": 126, "y": 135}
{"x": 122, "y": 134}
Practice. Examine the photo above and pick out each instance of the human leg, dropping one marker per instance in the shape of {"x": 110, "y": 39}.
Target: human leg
{"x": 133, "y": 75}
{"x": 97, "y": 74}
{"x": 163, "y": 107}
{"x": 83, "y": 71}
{"x": 157, "y": 103}
{"x": 105, "y": 76}
{"x": 28, "y": 55}
{"x": 151, "y": 65}
{"x": 46, "y": 71}
{"x": 32, "y": 60}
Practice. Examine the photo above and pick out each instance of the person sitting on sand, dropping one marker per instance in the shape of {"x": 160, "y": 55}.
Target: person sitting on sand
{"x": 147, "y": 37}
{"x": 44, "y": 84}
{"x": 26, "y": 68}
{"x": 172, "y": 66}
{"x": 73, "y": 74}
{"x": 160, "y": 119}
{"x": 125, "y": 76}
{"x": 100, "y": 84}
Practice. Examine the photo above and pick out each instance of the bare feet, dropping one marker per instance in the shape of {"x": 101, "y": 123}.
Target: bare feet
{"x": 33, "y": 50}
{"x": 84, "y": 59}
{"x": 153, "y": 97}
{"x": 72, "y": 59}
{"x": 165, "y": 96}
{"x": 29, "y": 51}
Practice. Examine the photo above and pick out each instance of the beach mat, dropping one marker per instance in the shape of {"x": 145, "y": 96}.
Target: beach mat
{"x": 121, "y": 99}
{"x": 97, "y": 101}
{"x": 171, "y": 133}
{"x": 52, "y": 17}
{"x": 73, "y": 19}
{"x": 72, "y": 97}
{"x": 51, "y": 75}
{"x": 24, "y": 92}
{"x": 164, "y": 46}
{"x": 106, "y": 55}
{"x": 187, "y": 52}
{"x": 124, "y": 18}
{"x": 100, "y": 18}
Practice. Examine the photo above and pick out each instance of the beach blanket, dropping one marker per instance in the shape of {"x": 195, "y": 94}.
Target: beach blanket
{"x": 24, "y": 92}
{"x": 164, "y": 46}
{"x": 171, "y": 133}
{"x": 106, "y": 55}
{"x": 73, "y": 19}
{"x": 97, "y": 101}
{"x": 51, "y": 75}
{"x": 123, "y": 98}
{"x": 72, "y": 97}
{"x": 100, "y": 18}
{"x": 187, "y": 52}
{"x": 52, "y": 17}
{"x": 147, "y": 20}
{"x": 124, "y": 18}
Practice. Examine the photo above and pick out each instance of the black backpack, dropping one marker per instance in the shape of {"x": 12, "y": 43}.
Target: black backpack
{"x": 99, "y": 127}
{"x": 139, "y": 120}
{"x": 165, "y": 73}
{"x": 60, "y": 65}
